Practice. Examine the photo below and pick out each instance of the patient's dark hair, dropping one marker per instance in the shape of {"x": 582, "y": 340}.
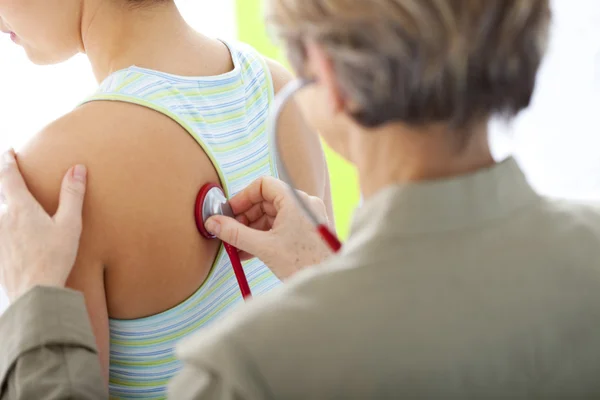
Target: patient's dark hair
{"x": 422, "y": 61}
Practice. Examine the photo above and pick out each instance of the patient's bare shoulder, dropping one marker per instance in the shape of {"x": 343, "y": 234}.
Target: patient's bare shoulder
{"x": 144, "y": 172}
{"x": 72, "y": 139}
{"x": 128, "y": 149}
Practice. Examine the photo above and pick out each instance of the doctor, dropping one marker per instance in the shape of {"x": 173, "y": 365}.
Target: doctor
{"x": 458, "y": 280}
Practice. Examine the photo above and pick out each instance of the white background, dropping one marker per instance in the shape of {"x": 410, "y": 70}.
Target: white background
{"x": 557, "y": 140}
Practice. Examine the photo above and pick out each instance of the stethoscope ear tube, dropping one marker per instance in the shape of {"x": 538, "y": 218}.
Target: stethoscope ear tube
{"x": 282, "y": 98}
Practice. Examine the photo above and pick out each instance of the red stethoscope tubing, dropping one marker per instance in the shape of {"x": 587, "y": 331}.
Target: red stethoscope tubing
{"x": 330, "y": 239}
{"x": 238, "y": 270}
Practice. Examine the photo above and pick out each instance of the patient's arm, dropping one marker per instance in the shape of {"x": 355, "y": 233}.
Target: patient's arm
{"x": 301, "y": 147}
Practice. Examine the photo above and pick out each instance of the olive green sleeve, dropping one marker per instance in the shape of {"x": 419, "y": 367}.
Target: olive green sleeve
{"x": 48, "y": 350}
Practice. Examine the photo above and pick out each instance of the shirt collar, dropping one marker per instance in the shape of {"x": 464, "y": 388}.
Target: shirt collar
{"x": 447, "y": 204}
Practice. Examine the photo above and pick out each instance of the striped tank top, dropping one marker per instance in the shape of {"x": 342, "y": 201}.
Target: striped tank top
{"x": 227, "y": 115}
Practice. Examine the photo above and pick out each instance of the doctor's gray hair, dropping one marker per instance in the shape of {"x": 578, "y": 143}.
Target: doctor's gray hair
{"x": 422, "y": 61}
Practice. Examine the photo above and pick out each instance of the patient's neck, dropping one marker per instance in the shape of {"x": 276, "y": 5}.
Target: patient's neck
{"x": 397, "y": 154}
{"x": 117, "y": 36}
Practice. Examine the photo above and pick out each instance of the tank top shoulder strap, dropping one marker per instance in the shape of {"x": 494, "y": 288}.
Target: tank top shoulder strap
{"x": 259, "y": 81}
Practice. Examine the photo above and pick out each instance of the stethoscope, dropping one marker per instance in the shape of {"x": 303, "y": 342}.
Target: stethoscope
{"x": 211, "y": 199}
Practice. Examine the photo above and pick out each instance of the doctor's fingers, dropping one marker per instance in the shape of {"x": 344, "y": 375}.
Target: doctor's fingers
{"x": 263, "y": 190}
{"x": 245, "y": 238}
{"x": 257, "y": 211}
{"x": 12, "y": 185}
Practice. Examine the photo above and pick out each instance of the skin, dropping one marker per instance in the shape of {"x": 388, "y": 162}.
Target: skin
{"x": 144, "y": 170}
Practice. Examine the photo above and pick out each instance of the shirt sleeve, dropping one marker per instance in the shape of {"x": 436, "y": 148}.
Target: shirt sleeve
{"x": 48, "y": 350}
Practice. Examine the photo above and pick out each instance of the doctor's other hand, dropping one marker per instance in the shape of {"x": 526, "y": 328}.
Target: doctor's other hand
{"x": 35, "y": 248}
{"x": 270, "y": 225}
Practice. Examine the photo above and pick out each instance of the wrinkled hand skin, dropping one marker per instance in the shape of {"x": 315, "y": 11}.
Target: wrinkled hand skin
{"x": 269, "y": 225}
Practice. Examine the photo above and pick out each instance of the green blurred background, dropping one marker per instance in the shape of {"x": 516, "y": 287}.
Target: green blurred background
{"x": 344, "y": 184}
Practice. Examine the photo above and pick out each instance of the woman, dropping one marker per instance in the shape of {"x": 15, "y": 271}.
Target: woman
{"x": 458, "y": 280}
{"x": 174, "y": 110}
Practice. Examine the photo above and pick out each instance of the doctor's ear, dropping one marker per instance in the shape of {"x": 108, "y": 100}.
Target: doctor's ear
{"x": 320, "y": 68}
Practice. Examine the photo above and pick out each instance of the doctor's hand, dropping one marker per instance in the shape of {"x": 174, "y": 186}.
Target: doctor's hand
{"x": 35, "y": 248}
{"x": 269, "y": 225}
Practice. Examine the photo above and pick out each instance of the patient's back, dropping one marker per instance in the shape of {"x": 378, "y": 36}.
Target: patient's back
{"x": 197, "y": 130}
{"x": 150, "y": 140}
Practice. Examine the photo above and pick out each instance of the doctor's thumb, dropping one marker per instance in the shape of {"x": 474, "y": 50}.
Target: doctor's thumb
{"x": 72, "y": 195}
{"x": 245, "y": 239}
